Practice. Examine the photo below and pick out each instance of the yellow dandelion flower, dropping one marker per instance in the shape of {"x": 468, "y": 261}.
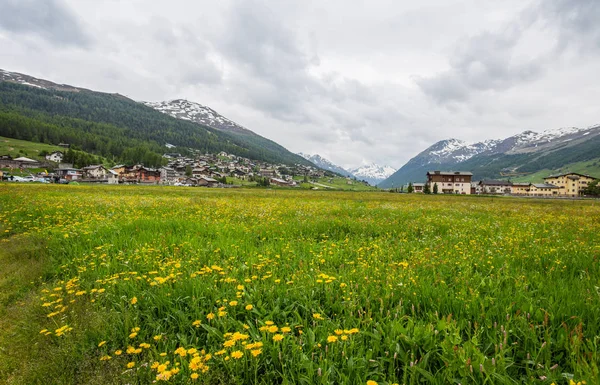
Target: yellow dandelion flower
{"x": 286, "y": 329}
{"x": 256, "y": 352}
{"x": 249, "y": 307}
{"x": 134, "y": 300}
{"x": 210, "y": 316}
{"x": 317, "y": 316}
{"x": 130, "y": 365}
{"x": 332, "y": 339}
{"x": 101, "y": 343}
{"x": 196, "y": 323}
{"x": 237, "y": 354}
{"x": 194, "y": 376}
{"x": 277, "y": 337}
{"x": 233, "y": 303}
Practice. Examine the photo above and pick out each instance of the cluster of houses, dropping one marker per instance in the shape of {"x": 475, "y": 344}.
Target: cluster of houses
{"x": 200, "y": 170}
{"x": 569, "y": 184}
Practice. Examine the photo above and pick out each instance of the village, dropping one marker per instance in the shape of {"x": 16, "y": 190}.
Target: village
{"x": 206, "y": 170}
{"x": 569, "y": 184}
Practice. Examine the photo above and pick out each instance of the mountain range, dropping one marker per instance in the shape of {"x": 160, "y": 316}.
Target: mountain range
{"x": 372, "y": 173}
{"x": 515, "y": 156}
{"x": 116, "y": 127}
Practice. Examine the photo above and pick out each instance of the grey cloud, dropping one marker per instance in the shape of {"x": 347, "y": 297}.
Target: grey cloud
{"x": 49, "y": 19}
{"x": 482, "y": 63}
{"x": 577, "y": 21}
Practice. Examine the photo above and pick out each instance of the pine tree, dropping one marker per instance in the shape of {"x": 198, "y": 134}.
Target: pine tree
{"x": 410, "y": 188}
{"x": 435, "y": 188}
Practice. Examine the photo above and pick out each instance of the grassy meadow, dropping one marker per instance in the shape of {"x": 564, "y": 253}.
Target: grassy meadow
{"x": 136, "y": 285}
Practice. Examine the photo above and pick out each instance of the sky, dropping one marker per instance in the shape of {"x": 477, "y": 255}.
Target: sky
{"x": 354, "y": 81}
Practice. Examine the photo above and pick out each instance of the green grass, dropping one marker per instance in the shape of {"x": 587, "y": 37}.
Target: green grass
{"x": 335, "y": 183}
{"x": 17, "y": 148}
{"x": 590, "y": 167}
{"x": 391, "y": 288}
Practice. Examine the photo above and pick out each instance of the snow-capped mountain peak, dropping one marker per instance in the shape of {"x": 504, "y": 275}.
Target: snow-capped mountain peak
{"x": 373, "y": 173}
{"x": 197, "y": 113}
{"x": 325, "y": 164}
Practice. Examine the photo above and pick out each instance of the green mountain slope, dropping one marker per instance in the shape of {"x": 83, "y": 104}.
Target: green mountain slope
{"x": 116, "y": 127}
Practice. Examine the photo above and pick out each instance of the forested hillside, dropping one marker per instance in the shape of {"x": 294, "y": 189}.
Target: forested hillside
{"x": 114, "y": 126}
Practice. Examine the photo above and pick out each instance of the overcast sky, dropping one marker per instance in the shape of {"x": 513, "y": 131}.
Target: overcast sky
{"x": 354, "y": 81}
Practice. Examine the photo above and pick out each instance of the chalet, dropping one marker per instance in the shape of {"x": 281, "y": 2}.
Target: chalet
{"x": 199, "y": 171}
{"x": 206, "y": 181}
{"x": 6, "y": 161}
{"x": 418, "y": 187}
{"x": 119, "y": 169}
{"x": 281, "y": 182}
{"x": 69, "y": 173}
{"x": 494, "y": 186}
{"x": 148, "y": 175}
{"x": 570, "y": 184}
{"x": 450, "y": 182}
{"x": 112, "y": 177}
{"x": 95, "y": 172}
{"x": 543, "y": 189}
{"x": 268, "y": 173}
{"x": 55, "y": 156}
{"x": 27, "y": 162}
{"x": 167, "y": 174}
{"x": 520, "y": 188}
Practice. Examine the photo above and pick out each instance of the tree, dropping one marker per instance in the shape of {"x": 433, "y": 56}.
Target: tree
{"x": 410, "y": 188}
{"x": 305, "y": 178}
{"x": 188, "y": 170}
{"x": 426, "y": 189}
{"x": 592, "y": 189}
{"x": 435, "y": 188}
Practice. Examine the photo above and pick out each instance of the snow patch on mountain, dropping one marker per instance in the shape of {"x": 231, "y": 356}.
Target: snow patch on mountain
{"x": 197, "y": 113}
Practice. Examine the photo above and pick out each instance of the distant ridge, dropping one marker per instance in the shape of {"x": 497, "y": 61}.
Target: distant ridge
{"x": 520, "y": 154}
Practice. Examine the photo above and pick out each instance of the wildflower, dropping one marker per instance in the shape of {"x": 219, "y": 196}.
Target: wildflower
{"x": 105, "y": 358}
{"x": 130, "y": 365}
{"x": 277, "y": 337}
{"x": 338, "y": 332}
{"x": 286, "y": 329}
{"x": 118, "y": 352}
{"x": 272, "y": 329}
{"x": 256, "y": 352}
{"x": 194, "y": 376}
{"x": 210, "y": 316}
{"x": 134, "y": 300}
{"x": 371, "y": 382}
{"x": 157, "y": 337}
{"x": 332, "y": 339}
{"x": 196, "y": 323}
{"x": 101, "y": 343}
{"x": 249, "y": 307}
{"x": 228, "y": 343}
{"x": 133, "y": 335}
{"x": 233, "y": 303}
{"x": 237, "y": 354}
{"x": 317, "y": 316}
{"x": 181, "y": 351}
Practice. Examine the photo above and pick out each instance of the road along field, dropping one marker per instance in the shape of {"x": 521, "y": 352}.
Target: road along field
{"x": 132, "y": 284}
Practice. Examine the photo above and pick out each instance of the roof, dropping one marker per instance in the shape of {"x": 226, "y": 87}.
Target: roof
{"x": 94, "y": 166}
{"x": 567, "y": 174}
{"x": 544, "y": 185}
{"x": 113, "y": 172}
{"x": 418, "y": 184}
{"x": 208, "y": 179}
{"x": 495, "y": 182}
{"x": 521, "y": 184}
{"x": 24, "y": 159}
{"x": 449, "y": 173}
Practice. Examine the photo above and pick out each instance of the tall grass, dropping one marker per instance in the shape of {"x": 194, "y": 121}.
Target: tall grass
{"x": 144, "y": 284}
